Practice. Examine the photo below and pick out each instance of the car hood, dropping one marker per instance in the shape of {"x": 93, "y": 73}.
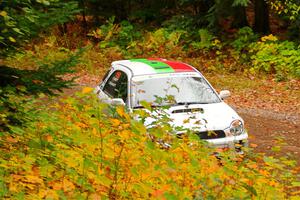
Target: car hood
{"x": 199, "y": 117}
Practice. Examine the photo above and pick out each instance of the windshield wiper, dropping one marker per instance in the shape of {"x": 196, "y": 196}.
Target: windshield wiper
{"x": 152, "y": 106}
{"x": 175, "y": 104}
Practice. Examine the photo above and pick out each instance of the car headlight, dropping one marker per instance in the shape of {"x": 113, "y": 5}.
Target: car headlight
{"x": 236, "y": 127}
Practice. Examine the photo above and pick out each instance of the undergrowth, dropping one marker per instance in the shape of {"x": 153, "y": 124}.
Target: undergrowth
{"x": 78, "y": 148}
{"x": 246, "y": 52}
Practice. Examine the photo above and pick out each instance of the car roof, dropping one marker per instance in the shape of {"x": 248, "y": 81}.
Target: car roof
{"x": 154, "y": 66}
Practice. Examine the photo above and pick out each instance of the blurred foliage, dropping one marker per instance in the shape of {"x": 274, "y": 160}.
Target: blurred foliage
{"x": 19, "y": 87}
{"x": 115, "y": 41}
{"x": 280, "y": 57}
{"x": 243, "y": 38}
{"x": 207, "y": 41}
{"x": 112, "y": 34}
{"x": 77, "y": 148}
{"x": 20, "y": 21}
{"x": 23, "y": 20}
{"x": 289, "y": 8}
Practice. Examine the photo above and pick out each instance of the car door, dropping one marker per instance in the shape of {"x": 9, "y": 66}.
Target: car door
{"x": 115, "y": 87}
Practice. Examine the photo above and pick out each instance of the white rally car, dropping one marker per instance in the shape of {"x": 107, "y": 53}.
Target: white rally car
{"x": 130, "y": 82}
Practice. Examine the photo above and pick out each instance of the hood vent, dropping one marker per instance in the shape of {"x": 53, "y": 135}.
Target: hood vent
{"x": 186, "y": 110}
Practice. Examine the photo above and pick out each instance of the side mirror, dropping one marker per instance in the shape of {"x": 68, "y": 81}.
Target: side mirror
{"x": 117, "y": 101}
{"x": 224, "y": 94}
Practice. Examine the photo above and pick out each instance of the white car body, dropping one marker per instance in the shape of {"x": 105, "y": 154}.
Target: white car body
{"x": 217, "y": 117}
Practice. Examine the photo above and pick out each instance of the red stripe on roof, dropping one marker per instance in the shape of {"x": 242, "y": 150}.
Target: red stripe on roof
{"x": 177, "y": 66}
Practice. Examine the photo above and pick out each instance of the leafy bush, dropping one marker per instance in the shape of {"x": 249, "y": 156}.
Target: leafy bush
{"x": 78, "y": 148}
{"x": 112, "y": 34}
{"x": 273, "y": 56}
{"x": 19, "y": 87}
{"x": 243, "y": 38}
{"x": 107, "y": 32}
{"x": 294, "y": 31}
{"x": 14, "y": 107}
{"x": 180, "y": 22}
{"x": 20, "y": 21}
{"x": 162, "y": 40}
{"x": 206, "y": 41}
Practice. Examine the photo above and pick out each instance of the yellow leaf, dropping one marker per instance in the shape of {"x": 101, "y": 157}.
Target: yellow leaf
{"x": 56, "y": 185}
{"x": 12, "y": 139}
{"x": 94, "y": 131}
{"x": 120, "y": 111}
{"x": 253, "y": 145}
{"x": 87, "y": 90}
{"x": 269, "y": 38}
{"x": 48, "y": 138}
{"x": 126, "y": 134}
{"x": 115, "y": 122}
{"x": 253, "y": 166}
{"x": 33, "y": 179}
{"x": 186, "y": 121}
{"x": 49, "y": 194}
{"x": 3, "y": 13}
{"x": 273, "y": 183}
{"x": 13, "y": 187}
{"x": 264, "y": 172}
{"x": 81, "y": 125}
{"x": 11, "y": 39}
{"x": 95, "y": 196}
{"x": 68, "y": 185}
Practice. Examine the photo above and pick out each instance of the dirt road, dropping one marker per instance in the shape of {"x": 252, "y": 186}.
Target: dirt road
{"x": 268, "y": 130}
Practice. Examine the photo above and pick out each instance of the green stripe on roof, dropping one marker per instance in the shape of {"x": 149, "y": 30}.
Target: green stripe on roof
{"x": 159, "y": 67}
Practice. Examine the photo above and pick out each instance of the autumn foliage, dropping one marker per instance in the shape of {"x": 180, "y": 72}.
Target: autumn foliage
{"x": 78, "y": 148}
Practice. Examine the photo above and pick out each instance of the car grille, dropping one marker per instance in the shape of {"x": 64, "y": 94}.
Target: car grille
{"x": 206, "y": 135}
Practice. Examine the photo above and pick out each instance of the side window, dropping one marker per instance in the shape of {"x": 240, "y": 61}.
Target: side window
{"x": 116, "y": 85}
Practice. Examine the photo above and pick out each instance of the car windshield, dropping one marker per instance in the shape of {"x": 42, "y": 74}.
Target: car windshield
{"x": 172, "y": 91}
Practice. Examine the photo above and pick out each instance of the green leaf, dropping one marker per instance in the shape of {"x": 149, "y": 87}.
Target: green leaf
{"x": 250, "y": 189}
{"x": 146, "y": 105}
{"x": 296, "y": 183}
{"x": 240, "y": 3}
{"x": 150, "y": 144}
{"x": 170, "y": 196}
{"x": 18, "y": 31}
{"x": 106, "y": 181}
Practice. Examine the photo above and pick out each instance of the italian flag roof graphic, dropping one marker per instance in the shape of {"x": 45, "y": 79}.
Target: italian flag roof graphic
{"x": 159, "y": 65}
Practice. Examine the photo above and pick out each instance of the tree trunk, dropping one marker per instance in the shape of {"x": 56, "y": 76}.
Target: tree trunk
{"x": 239, "y": 17}
{"x": 120, "y": 10}
{"x": 84, "y": 22}
{"x": 63, "y": 28}
{"x": 261, "y": 21}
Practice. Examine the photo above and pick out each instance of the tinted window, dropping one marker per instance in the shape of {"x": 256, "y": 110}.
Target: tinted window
{"x": 116, "y": 86}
